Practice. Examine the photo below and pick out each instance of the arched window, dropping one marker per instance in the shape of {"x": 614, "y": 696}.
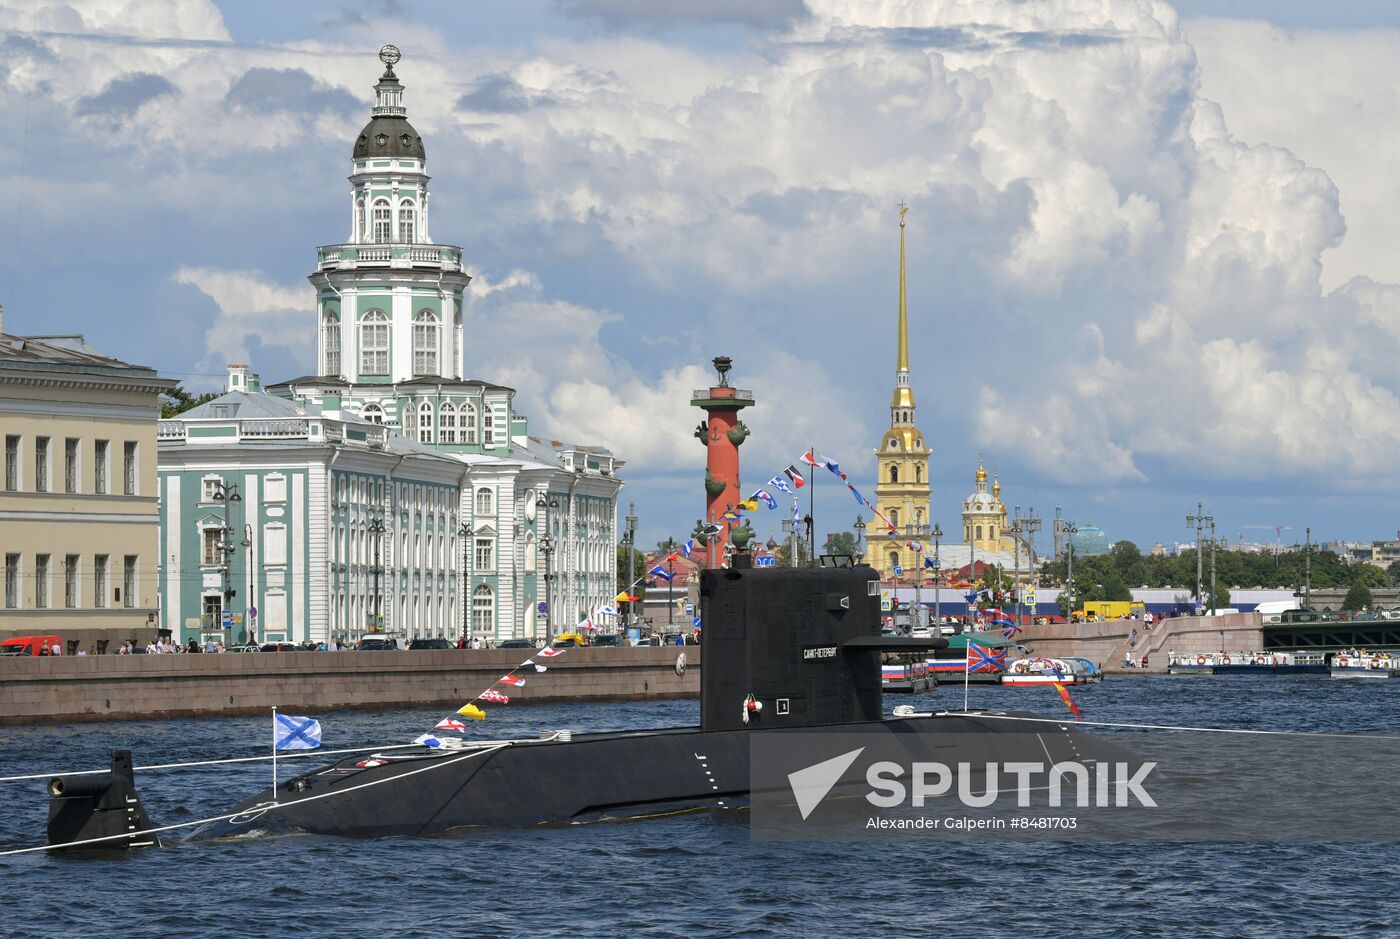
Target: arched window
{"x": 483, "y": 609}
{"x": 330, "y": 340}
{"x": 425, "y": 423}
{"x": 468, "y": 423}
{"x": 483, "y": 502}
{"x": 531, "y": 553}
{"x": 894, "y": 473}
{"x": 373, "y": 413}
{"x": 918, "y": 472}
{"x": 894, "y": 517}
{"x": 374, "y": 343}
{"x": 406, "y": 220}
{"x": 894, "y": 559}
{"x": 425, "y": 343}
{"x": 382, "y": 222}
{"x": 447, "y": 424}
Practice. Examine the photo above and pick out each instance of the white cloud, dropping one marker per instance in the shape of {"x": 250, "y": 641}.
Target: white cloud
{"x": 1108, "y": 268}
{"x": 251, "y": 308}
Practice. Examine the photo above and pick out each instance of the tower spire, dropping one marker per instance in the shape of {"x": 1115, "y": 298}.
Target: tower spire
{"x": 902, "y": 401}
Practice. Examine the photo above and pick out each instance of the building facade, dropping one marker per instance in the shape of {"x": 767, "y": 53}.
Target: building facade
{"x": 902, "y": 490}
{"x": 78, "y": 510}
{"x": 531, "y": 528}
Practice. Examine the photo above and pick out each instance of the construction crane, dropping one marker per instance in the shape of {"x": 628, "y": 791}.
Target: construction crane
{"x": 1278, "y": 531}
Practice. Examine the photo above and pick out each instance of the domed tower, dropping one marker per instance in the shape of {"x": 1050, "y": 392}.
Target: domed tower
{"x": 984, "y": 516}
{"x": 390, "y": 300}
{"x": 901, "y": 462}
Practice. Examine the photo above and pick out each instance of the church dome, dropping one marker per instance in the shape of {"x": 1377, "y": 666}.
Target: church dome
{"x": 386, "y": 136}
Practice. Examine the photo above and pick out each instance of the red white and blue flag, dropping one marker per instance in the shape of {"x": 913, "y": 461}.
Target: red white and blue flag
{"x": 982, "y": 659}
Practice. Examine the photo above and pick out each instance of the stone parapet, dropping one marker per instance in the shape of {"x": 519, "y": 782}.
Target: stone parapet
{"x": 119, "y": 687}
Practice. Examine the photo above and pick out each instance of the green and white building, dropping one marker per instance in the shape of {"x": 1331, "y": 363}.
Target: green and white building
{"x": 483, "y": 522}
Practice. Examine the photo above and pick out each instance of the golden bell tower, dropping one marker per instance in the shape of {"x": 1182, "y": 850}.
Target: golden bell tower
{"x": 901, "y": 463}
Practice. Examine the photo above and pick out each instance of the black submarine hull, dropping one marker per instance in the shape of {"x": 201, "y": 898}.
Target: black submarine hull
{"x": 593, "y": 777}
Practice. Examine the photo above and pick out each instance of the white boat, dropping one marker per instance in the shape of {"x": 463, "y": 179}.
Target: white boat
{"x": 1043, "y": 671}
{"x": 1370, "y": 666}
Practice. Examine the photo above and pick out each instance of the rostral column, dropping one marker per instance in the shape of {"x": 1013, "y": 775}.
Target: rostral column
{"x": 722, "y": 432}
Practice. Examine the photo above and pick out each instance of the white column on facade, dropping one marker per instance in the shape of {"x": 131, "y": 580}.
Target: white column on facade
{"x": 172, "y": 563}
{"x": 298, "y": 614}
{"x": 401, "y": 368}
{"x": 251, "y": 505}
{"x": 349, "y": 334}
{"x": 318, "y": 601}
{"x": 506, "y": 544}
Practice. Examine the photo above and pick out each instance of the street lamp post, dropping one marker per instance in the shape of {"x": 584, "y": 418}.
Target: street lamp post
{"x": 1069, "y": 529}
{"x": 631, "y": 560}
{"x": 376, "y": 528}
{"x": 1200, "y": 520}
{"x": 547, "y": 505}
{"x": 1212, "y": 566}
{"x": 859, "y": 527}
{"x": 789, "y": 533}
{"x": 1016, "y": 543}
{"x": 1307, "y": 568}
{"x": 670, "y": 584}
{"x": 250, "y": 607}
{"x": 937, "y": 577}
{"x": 227, "y": 493}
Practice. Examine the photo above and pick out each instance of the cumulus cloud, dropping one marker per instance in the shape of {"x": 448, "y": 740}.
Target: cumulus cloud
{"x": 761, "y": 15}
{"x": 252, "y": 309}
{"x": 1110, "y": 280}
{"x": 121, "y": 97}
{"x": 287, "y": 89}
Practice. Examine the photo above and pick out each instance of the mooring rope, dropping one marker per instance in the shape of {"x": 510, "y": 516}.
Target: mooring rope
{"x": 267, "y": 807}
{"x": 237, "y": 759}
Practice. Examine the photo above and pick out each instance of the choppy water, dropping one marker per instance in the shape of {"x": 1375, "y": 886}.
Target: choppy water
{"x": 689, "y": 875}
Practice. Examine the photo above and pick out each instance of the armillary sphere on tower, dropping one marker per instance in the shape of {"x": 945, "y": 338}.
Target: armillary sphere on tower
{"x": 390, "y": 55}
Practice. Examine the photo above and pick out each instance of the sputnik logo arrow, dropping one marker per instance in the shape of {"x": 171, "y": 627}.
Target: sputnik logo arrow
{"x": 810, "y": 785}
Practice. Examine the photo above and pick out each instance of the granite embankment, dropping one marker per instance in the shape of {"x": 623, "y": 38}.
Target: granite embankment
{"x": 119, "y": 687}
{"x": 1109, "y": 641}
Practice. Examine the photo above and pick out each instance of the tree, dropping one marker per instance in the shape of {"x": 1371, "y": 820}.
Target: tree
{"x": 178, "y": 400}
{"x": 843, "y": 542}
{"x": 1357, "y": 598}
{"x": 1222, "y": 596}
{"x": 1392, "y": 574}
{"x": 638, "y": 566}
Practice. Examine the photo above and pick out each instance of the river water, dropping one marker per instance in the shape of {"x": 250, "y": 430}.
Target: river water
{"x": 689, "y": 875}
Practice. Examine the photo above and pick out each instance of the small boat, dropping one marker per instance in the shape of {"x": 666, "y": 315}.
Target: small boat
{"x": 1363, "y": 665}
{"x": 1043, "y": 671}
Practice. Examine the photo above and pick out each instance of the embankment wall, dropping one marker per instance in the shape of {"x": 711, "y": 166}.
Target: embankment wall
{"x": 113, "y": 687}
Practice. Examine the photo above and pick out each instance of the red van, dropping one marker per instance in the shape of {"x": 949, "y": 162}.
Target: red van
{"x": 30, "y": 645}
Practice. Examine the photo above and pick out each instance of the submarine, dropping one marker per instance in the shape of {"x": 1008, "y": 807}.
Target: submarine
{"x": 784, "y": 650}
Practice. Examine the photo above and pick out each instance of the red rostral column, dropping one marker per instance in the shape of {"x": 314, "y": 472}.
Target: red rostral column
{"x": 722, "y": 432}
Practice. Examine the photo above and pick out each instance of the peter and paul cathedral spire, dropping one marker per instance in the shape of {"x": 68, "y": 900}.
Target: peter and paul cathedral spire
{"x": 902, "y": 491}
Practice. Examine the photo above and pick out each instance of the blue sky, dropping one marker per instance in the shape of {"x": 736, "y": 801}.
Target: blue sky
{"x": 1150, "y": 256}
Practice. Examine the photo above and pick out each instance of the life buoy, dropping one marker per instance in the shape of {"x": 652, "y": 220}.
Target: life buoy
{"x": 1224, "y": 660}
{"x": 1341, "y": 661}
{"x": 1200, "y": 660}
{"x": 1260, "y": 660}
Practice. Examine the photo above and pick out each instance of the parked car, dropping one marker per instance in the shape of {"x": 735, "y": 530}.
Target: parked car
{"x": 517, "y": 644}
{"x": 249, "y": 647}
{"x": 378, "y": 644}
{"x": 568, "y": 641}
{"x": 281, "y": 647}
{"x": 430, "y": 644}
{"x": 607, "y": 639}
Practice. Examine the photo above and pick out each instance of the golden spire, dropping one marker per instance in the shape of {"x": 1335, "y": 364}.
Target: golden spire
{"x": 996, "y": 487}
{"x": 902, "y": 401}
{"x": 981, "y": 475}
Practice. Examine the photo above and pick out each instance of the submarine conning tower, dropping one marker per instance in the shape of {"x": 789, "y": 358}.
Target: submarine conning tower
{"x": 785, "y": 647}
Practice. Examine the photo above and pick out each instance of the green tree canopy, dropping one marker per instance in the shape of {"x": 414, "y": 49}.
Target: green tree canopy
{"x": 1357, "y": 598}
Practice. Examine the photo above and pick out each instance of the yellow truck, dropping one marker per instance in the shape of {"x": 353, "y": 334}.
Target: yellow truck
{"x": 1109, "y": 609}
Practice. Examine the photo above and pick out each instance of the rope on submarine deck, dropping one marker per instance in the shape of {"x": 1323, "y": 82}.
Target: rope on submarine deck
{"x": 265, "y": 807}
{"x": 1205, "y": 730}
{"x": 237, "y": 759}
